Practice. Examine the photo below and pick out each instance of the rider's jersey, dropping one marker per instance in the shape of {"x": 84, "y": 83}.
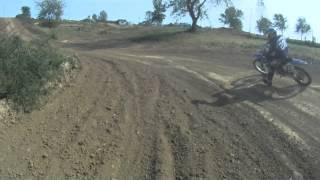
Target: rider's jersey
{"x": 278, "y": 48}
{"x": 282, "y": 43}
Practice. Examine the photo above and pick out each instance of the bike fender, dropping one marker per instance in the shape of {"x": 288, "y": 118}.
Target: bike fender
{"x": 296, "y": 61}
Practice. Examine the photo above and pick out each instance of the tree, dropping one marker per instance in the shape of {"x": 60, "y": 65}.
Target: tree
{"x": 103, "y": 16}
{"x": 263, "y": 24}
{"x": 148, "y": 18}
{"x": 51, "y": 12}
{"x": 314, "y": 40}
{"x": 195, "y": 8}
{"x": 95, "y": 18}
{"x": 302, "y": 27}
{"x": 232, "y": 17}
{"x": 158, "y": 13}
{"x": 25, "y": 13}
{"x": 88, "y": 19}
{"x": 280, "y": 22}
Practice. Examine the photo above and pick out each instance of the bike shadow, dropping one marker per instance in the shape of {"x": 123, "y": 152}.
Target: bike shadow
{"x": 251, "y": 89}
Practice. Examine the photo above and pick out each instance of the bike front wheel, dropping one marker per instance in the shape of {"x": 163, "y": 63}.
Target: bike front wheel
{"x": 260, "y": 66}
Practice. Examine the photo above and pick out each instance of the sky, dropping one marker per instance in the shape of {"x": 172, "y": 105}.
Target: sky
{"x": 134, "y": 11}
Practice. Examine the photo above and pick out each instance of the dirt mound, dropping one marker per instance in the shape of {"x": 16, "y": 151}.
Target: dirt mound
{"x": 14, "y": 27}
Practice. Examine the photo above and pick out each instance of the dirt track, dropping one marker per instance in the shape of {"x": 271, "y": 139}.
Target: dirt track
{"x": 152, "y": 112}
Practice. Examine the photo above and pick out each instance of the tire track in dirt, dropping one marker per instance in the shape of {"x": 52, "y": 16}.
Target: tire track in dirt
{"x": 92, "y": 124}
{"x": 143, "y": 95}
{"x": 133, "y": 126}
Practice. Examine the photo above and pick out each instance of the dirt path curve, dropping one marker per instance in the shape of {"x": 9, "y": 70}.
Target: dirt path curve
{"x": 126, "y": 117}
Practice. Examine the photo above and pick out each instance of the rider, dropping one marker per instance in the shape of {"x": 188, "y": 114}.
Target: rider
{"x": 276, "y": 53}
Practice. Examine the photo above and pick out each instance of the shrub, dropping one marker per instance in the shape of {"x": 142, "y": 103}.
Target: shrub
{"x": 52, "y": 35}
{"x": 25, "y": 69}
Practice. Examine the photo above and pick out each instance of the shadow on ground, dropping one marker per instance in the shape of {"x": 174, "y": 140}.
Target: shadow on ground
{"x": 253, "y": 90}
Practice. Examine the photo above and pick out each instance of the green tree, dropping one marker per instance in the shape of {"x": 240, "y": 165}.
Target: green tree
{"x": 232, "y": 17}
{"x": 88, "y": 19}
{"x": 302, "y": 27}
{"x": 25, "y": 13}
{"x": 95, "y": 18}
{"x": 263, "y": 24}
{"x": 280, "y": 22}
{"x": 51, "y": 12}
{"x": 314, "y": 40}
{"x": 196, "y": 9}
{"x": 103, "y": 16}
{"x": 158, "y": 13}
{"x": 148, "y": 18}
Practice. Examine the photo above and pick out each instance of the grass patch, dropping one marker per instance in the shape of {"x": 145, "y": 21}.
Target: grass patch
{"x": 25, "y": 69}
{"x": 304, "y": 52}
{"x": 227, "y": 39}
{"x": 160, "y": 34}
{"x": 223, "y": 38}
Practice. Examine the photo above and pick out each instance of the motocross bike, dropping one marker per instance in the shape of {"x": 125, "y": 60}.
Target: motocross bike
{"x": 291, "y": 69}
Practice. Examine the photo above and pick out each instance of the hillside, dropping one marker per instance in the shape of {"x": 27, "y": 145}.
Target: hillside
{"x": 159, "y": 103}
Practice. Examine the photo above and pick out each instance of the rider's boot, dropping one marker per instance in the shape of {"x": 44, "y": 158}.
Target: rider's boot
{"x": 267, "y": 82}
{"x": 267, "y": 79}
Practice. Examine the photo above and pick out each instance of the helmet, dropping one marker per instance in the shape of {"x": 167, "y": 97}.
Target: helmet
{"x": 271, "y": 34}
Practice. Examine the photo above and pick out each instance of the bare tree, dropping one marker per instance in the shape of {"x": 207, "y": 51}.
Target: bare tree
{"x": 196, "y": 9}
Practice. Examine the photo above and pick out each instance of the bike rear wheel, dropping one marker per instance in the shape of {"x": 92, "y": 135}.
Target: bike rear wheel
{"x": 301, "y": 76}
